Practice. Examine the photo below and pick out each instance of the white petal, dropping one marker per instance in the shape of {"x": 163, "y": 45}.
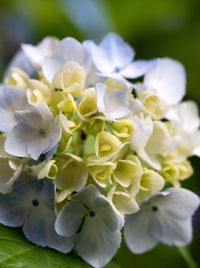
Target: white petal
{"x": 97, "y": 244}
{"x": 116, "y": 103}
{"x": 15, "y": 145}
{"x": 168, "y": 79}
{"x": 170, "y": 231}
{"x": 180, "y": 203}
{"x": 113, "y": 104}
{"x": 67, "y": 50}
{"x": 161, "y": 142}
{"x": 136, "y": 107}
{"x": 101, "y": 92}
{"x": 185, "y": 114}
{"x": 137, "y": 68}
{"x": 37, "y": 54}
{"x": 11, "y": 99}
{"x": 70, "y": 218}
{"x": 143, "y": 129}
{"x": 136, "y": 232}
{"x": 117, "y": 49}
{"x": 101, "y": 60}
{"x": 21, "y": 61}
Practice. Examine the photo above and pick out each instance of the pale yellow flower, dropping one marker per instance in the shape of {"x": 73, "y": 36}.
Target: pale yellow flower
{"x": 123, "y": 128}
{"x": 45, "y": 170}
{"x": 71, "y": 78}
{"x": 67, "y": 105}
{"x": 72, "y": 176}
{"x": 151, "y": 183}
{"x": 128, "y": 173}
{"x": 101, "y": 173}
{"x": 107, "y": 145}
{"x": 153, "y": 104}
{"x": 122, "y": 200}
{"x": 17, "y": 78}
{"x": 38, "y": 92}
{"x": 88, "y": 104}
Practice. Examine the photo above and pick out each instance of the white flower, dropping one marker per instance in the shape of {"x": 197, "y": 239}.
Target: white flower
{"x": 114, "y": 58}
{"x": 113, "y": 104}
{"x": 186, "y": 118}
{"x": 151, "y": 139}
{"x": 35, "y": 133}
{"x": 165, "y": 218}
{"x": 11, "y": 100}
{"x": 168, "y": 79}
{"x": 66, "y": 50}
{"x": 37, "y": 54}
{"x": 95, "y": 224}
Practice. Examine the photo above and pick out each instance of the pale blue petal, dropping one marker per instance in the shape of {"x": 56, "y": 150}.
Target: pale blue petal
{"x": 170, "y": 231}
{"x": 13, "y": 212}
{"x": 117, "y": 49}
{"x": 96, "y": 244}
{"x": 39, "y": 229}
{"x": 136, "y": 232}
{"x": 180, "y": 203}
{"x": 137, "y": 68}
{"x": 11, "y": 99}
{"x": 31, "y": 204}
{"x": 70, "y": 218}
{"x": 21, "y": 61}
{"x": 100, "y": 58}
{"x": 26, "y": 140}
{"x": 99, "y": 204}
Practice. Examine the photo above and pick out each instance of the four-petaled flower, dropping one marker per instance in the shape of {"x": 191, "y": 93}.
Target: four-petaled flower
{"x": 165, "y": 218}
{"x": 36, "y": 132}
{"x": 31, "y": 204}
{"x": 95, "y": 225}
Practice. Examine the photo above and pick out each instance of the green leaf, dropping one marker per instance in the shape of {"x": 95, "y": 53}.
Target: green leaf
{"x": 17, "y": 252}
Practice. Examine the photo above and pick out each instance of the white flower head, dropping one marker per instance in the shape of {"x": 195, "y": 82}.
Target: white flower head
{"x": 37, "y": 54}
{"x": 165, "y": 218}
{"x": 113, "y": 104}
{"x": 95, "y": 223}
{"x": 35, "y": 133}
{"x": 12, "y": 99}
{"x": 66, "y": 50}
{"x": 114, "y": 58}
{"x": 168, "y": 79}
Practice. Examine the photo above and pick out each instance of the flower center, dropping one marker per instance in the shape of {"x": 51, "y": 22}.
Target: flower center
{"x": 35, "y": 203}
{"x": 117, "y": 69}
{"x": 83, "y": 135}
{"x": 42, "y": 132}
{"x": 91, "y": 214}
{"x": 155, "y": 208}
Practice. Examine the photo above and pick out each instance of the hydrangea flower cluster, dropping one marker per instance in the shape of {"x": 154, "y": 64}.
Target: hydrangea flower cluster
{"x": 93, "y": 141}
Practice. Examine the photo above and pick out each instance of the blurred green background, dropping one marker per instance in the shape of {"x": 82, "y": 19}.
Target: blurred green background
{"x": 155, "y": 28}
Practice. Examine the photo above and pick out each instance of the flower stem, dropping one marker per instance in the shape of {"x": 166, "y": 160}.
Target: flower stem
{"x": 187, "y": 257}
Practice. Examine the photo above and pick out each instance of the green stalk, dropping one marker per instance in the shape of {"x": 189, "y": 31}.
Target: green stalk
{"x": 187, "y": 257}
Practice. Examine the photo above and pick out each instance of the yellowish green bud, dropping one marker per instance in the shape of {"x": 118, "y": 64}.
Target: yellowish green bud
{"x": 17, "y": 78}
